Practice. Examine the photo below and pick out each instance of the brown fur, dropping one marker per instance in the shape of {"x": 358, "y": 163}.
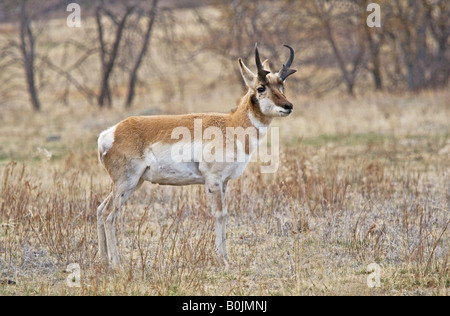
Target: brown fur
{"x": 133, "y": 135}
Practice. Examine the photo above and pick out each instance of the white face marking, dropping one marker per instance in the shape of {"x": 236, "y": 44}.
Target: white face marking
{"x": 106, "y": 140}
{"x": 268, "y": 107}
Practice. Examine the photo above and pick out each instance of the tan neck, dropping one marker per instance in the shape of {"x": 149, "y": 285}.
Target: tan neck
{"x": 248, "y": 115}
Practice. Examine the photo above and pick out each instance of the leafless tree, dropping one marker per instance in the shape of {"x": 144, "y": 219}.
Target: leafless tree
{"x": 121, "y": 18}
{"x": 421, "y": 29}
{"x": 143, "y": 51}
{"x": 437, "y": 15}
{"x": 27, "y": 47}
{"x": 108, "y": 57}
{"x": 242, "y": 23}
{"x": 373, "y": 38}
{"x": 339, "y": 26}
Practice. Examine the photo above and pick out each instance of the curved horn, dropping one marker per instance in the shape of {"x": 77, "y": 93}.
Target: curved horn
{"x": 286, "y": 71}
{"x": 291, "y": 57}
{"x": 261, "y": 72}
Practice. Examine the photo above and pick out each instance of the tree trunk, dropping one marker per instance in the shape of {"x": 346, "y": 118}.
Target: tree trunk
{"x": 109, "y": 65}
{"x": 27, "y": 49}
{"x": 349, "y": 77}
{"x": 376, "y": 74}
{"x": 374, "y": 53}
{"x": 143, "y": 52}
{"x": 105, "y": 91}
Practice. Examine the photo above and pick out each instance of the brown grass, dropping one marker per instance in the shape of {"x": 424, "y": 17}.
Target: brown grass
{"x": 338, "y": 203}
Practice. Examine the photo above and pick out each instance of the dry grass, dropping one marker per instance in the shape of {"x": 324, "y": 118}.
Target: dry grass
{"x": 360, "y": 181}
{"x": 344, "y": 197}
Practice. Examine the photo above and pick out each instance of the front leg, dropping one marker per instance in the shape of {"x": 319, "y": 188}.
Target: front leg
{"x": 215, "y": 193}
{"x": 225, "y": 222}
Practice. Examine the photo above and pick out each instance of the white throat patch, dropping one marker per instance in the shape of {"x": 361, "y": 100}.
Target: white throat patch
{"x": 260, "y": 126}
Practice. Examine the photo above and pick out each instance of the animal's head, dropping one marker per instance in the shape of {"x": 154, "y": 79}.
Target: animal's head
{"x": 267, "y": 88}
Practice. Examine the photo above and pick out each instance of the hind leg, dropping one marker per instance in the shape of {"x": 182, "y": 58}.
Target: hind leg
{"x": 122, "y": 192}
{"x": 102, "y": 246}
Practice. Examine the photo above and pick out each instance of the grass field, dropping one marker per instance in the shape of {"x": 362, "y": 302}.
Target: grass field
{"x": 361, "y": 180}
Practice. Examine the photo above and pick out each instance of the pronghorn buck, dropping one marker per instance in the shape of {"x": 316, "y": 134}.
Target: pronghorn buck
{"x": 142, "y": 149}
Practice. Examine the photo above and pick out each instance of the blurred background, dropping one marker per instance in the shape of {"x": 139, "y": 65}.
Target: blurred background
{"x": 129, "y": 52}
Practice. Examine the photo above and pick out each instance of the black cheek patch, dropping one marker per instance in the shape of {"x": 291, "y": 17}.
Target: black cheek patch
{"x": 255, "y": 105}
{"x": 255, "y": 102}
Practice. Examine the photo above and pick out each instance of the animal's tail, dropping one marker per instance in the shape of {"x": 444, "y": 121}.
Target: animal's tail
{"x": 105, "y": 142}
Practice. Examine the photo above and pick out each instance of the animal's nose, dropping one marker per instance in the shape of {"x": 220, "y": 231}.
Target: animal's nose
{"x": 288, "y": 106}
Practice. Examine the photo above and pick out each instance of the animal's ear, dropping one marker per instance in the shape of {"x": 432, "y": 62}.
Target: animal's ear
{"x": 266, "y": 65}
{"x": 247, "y": 74}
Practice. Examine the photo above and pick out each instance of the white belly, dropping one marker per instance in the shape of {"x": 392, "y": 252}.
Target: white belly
{"x": 162, "y": 169}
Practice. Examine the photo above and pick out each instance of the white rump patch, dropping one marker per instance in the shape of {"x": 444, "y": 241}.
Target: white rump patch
{"x": 106, "y": 140}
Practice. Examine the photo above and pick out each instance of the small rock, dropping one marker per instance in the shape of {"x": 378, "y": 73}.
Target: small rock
{"x": 53, "y": 138}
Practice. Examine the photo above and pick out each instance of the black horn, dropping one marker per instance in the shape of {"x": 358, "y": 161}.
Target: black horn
{"x": 261, "y": 72}
{"x": 286, "y": 71}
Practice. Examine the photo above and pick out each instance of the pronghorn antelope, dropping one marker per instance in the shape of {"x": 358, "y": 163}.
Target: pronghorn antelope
{"x": 139, "y": 149}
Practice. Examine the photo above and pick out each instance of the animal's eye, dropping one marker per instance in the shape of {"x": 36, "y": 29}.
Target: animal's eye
{"x": 261, "y": 89}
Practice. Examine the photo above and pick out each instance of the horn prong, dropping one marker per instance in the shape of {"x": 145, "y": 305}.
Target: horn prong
{"x": 286, "y": 71}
